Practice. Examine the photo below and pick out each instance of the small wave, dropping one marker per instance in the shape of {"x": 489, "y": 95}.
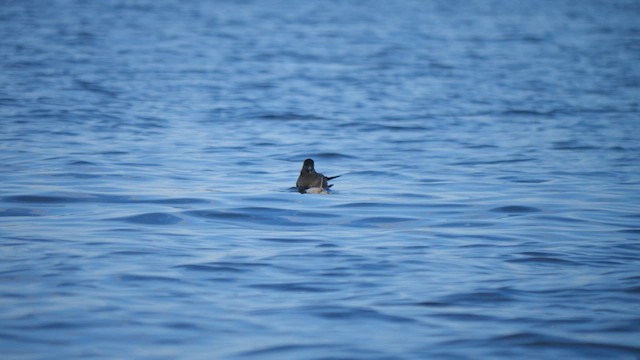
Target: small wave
{"x": 333, "y": 155}
{"x": 629, "y": 231}
{"x": 465, "y": 317}
{"x": 288, "y": 240}
{"x": 571, "y": 145}
{"x": 216, "y": 214}
{"x": 113, "y": 152}
{"x": 397, "y": 128}
{"x": 493, "y": 162}
{"x": 381, "y": 220}
{"x": 176, "y": 201}
{"x": 212, "y": 267}
{"x": 96, "y": 88}
{"x": 20, "y": 212}
{"x": 560, "y": 219}
{"x": 56, "y": 325}
{"x": 77, "y": 175}
{"x": 480, "y": 146}
{"x": 433, "y": 304}
{"x": 288, "y": 117}
{"x": 529, "y": 112}
{"x": 431, "y": 181}
{"x": 81, "y": 163}
{"x": 374, "y": 173}
{"x": 74, "y": 197}
{"x": 36, "y": 239}
{"x": 468, "y": 224}
{"x": 327, "y": 245}
{"x": 129, "y": 252}
{"x": 181, "y": 325}
{"x": 482, "y": 297}
{"x": 587, "y": 348}
{"x": 515, "y": 209}
{"x": 543, "y": 260}
{"x": 372, "y": 205}
{"x": 632, "y": 290}
{"x": 154, "y": 218}
{"x": 295, "y": 287}
{"x": 38, "y": 199}
{"x": 265, "y": 215}
{"x": 148, "y": 278}
{"x": 9, "y": 101}
{"x": 354, "y": 313}
{"x": 523, "y": 180}
{"x": 298, "y": 157}
{"x": 286, "y": 350}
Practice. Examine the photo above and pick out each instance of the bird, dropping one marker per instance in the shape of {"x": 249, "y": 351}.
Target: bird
{"x": 311, "y": 181}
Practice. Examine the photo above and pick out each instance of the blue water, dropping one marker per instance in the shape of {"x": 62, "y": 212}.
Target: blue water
{"x": 489, "y": 203}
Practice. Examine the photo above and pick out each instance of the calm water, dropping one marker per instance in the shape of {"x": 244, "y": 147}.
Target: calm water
{"x": 489, "y": 205}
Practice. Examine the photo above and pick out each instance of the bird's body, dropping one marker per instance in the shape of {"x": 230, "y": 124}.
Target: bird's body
{"x": 310, "y": 179}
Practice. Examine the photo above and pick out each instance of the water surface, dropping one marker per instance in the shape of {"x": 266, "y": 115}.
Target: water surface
{"x": 489, "y": 203}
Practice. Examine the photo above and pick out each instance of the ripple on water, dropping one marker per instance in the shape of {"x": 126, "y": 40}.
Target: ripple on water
{"x": 289, "y": 350}
{"x": 149, "y": 278}
{"x": 380, "y": 221}
{"x": 38, "y": 199}
{"x": 153, "y": 218}
{"x": 493, "y": 162}
{"x": 465, "y": 317}
{"x": 310, "y": 287}
{"x": 81, "y": 163}
{"x": 98, "y": 198}
{"x": 20, "y": 212}
{"x": 287, "y": 116}
{"x": 288, "y": 240}
{"x": 176, "y": 201}
{"x": 214, "y": 267}
{"x": 572, "y": 145}
{"x": 543, "y": 260}
{"x": 629, "y": 231}
{"x": 356, "y": 313}
{"x": 466, "y": 224}
{"x": 515, "y": 209}
{"x": 264, "y": 216}
{"x": 372, "y": 205}
{"x": 481, "y": 298}
{"x": 333, "y": 155}
{"x": 375, "y": 173}
{"x": 588, "y": 349}
{"x": 76, "y": 175}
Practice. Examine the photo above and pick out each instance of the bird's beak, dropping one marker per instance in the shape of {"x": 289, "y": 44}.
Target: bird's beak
{"x": 309, "y": 169}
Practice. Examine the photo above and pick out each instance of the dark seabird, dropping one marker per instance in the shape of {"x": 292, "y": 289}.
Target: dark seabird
{"x": 311, "y": 181}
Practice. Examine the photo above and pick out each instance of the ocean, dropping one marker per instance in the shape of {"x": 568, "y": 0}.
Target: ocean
{"x": 488, "y": 205}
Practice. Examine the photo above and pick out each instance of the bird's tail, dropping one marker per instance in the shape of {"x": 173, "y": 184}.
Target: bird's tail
{"x": 333, "y": 177}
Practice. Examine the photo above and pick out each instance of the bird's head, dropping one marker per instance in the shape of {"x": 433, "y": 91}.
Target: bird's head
{"x": 308, "y": 166}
